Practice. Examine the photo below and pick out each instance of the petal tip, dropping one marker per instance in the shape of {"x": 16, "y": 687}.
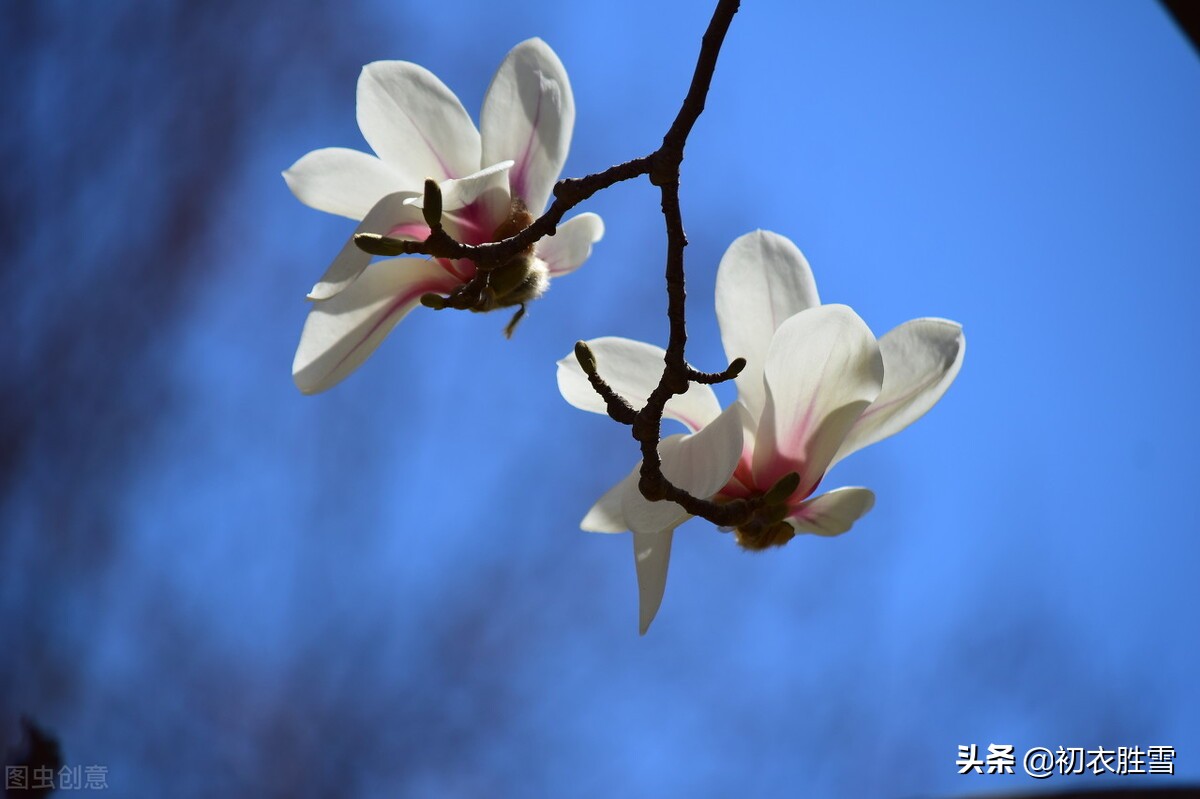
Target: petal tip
{"x": 321, "y": 291}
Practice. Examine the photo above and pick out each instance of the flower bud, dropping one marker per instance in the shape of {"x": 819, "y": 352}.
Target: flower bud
{"x": 432, "y": 209}
{"x": 784, "y": 487}
{"x": 586, "y": 358}
{"x": 376, "y": 244}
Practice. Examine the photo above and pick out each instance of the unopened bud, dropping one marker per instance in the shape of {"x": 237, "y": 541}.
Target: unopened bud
{"x": 376, "y": 244}
{"x": 736, "y": 366}
{"x": 774, "y": 514}
{"x": 435, "y": 301}
{"x": 587, "y": 360}
{"x": 784, "y": 487}
{"x": 432, "y": 209}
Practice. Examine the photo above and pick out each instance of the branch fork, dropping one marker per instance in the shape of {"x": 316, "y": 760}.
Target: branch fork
{"x": 662, "y": 167}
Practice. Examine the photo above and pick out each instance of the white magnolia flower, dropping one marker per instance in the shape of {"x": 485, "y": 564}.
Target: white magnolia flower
{"x": 493, "y": 182}
{"x": 817, "y": 386}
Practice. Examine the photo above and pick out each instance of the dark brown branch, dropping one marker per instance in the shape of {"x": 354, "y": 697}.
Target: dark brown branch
{"x": 710, "y": 378}
{"x": 663, "y": 167}
{"x": 647, "y": 423}
{"x": 617, "y": 407}
{"x": 568, "y": 193}
{"x": 647, "y": 428}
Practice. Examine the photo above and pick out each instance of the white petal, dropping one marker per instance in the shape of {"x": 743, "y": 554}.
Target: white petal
{"x": 571, "y": 244}
{"x": 651, "y": 556}
{"x": 762, "y": 281}
{"x": 700, "y": 463}
{"x": 833, "y": 513}
{"x": 823, "y": 369}
{"x": 606, "y": 515}
{"x": 528, "y": 115}
{"x": 341, "y": 332}
{"x": 343, "y": 182}
{"x": 460, "y": 192}
{"x": 632, "y": 369}
{"x": 388, "y": 214}
{"x": 921, "y": 358}
{"x": 415, "y": 123}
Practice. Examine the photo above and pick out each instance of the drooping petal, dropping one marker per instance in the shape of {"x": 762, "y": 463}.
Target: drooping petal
{"x": 341, "y": 332}
{"x": 606, "y": 515}
{"x": 921, "y": 358}
{"x": 822, "y": 371}
{"x": 700, "y": 463}
{"x": 762, "y": 281}
{"x": 415, "y": 124}
{"x": 651, "y": 556}
{"x": 528, "y": 115}
{"x": 341, "y": 181}
{"x": 389, "y": 216}
{"x": 832, "y": 513}
{"x": 632, "y": 369}
{"x": 571, "y": 244}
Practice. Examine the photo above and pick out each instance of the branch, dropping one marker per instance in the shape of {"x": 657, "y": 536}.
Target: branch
{"x": 568, "y": 193}
{"x": 662, "y": 167}
{"x": 647, "y": 423}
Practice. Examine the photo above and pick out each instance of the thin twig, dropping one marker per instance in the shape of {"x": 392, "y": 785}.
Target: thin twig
{"x": 662, "y": 167}
{"x": 568, "y": 193}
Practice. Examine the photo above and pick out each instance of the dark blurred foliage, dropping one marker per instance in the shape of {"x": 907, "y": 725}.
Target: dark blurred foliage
{"x": 38, "y": 753}
{"x": 124, "y": 127}
{"x": 1187, "y": 17}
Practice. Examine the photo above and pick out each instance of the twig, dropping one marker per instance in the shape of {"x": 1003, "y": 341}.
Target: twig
{"x": 662, "y": 167}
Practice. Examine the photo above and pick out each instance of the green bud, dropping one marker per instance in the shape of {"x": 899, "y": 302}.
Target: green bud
{"x": 435, "y": 301}
{"x": 784, "y": 487}
{"x": 587, "y": 360}
{"x": 773, "y": 514}
{"x": 433, "y": 203}
{"x": 376, "y": 244}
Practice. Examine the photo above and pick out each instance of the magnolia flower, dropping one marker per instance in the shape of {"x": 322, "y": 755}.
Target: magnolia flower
{"x": 817, "y": 387}
{"x": 493, "y": 182}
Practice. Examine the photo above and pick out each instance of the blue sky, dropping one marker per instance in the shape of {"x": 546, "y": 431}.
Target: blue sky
{"x": 213, "y": 584}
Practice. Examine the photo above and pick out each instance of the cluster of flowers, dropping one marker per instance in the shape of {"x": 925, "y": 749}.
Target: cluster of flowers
{"x": 817, "y": 386}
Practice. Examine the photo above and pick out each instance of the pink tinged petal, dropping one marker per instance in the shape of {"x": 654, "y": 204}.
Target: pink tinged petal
{"x": 343, "y": 182}
{"x": 763, "y": 280}
{"x": 606, "y": 515}
{"x": 651, "y": 556}
{"x": 833, "y": 513}
{"x": 921, "y": 358}
{"x": 571, "y": 244}
{"x": 528, "y": 115}
{"x": 822, "y": 371}
{"x": 341, "y": 332}
{"x": 700, "y": 463}
{"x": 632, "y": 369}
{"x": 391, "y": 215}
{"x": 415, "y": 124}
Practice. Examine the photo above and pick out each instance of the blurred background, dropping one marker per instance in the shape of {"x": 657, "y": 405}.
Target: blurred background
{"x": 214, "y": 586}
